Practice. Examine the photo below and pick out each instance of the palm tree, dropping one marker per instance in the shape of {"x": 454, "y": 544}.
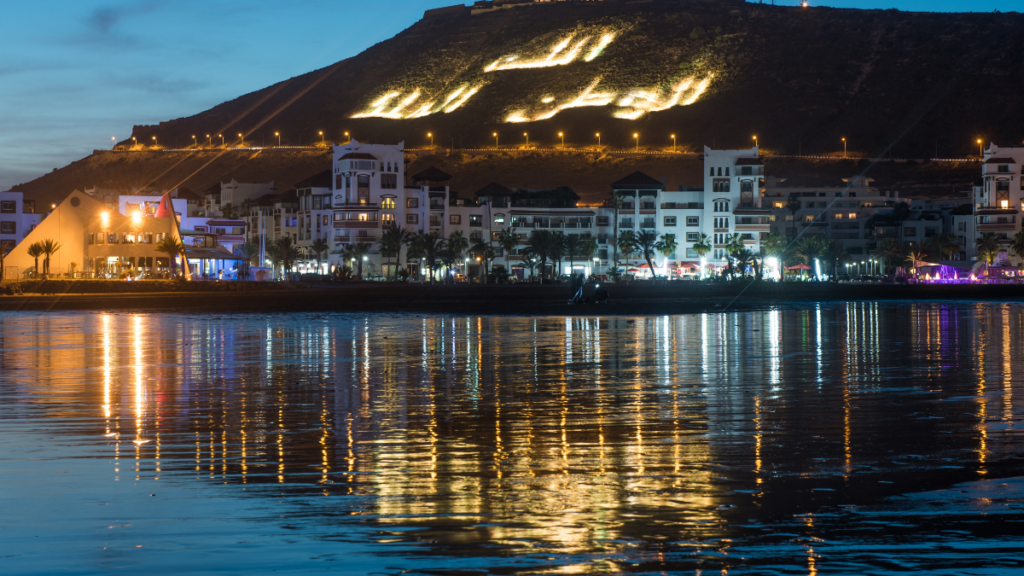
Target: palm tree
{"x": 774, "y": 245}
{"x": 485, "y": 253}
{"x": 943, "y": 246}
{"x": 702, "y": 246}
{"x": 456, "y": 244}
{"x": 573, "y": 248}
{"x": 425, "y": 247}
{"x": 320, "y": 245}
{"x": 359, "y": 250}
{"x": 391, "y": 242}
{"x": 557, "y": 251}
{"x": 667, "y": 245}
{"x": 913, "y": 254}
{"x": 810, "y": 248}
{"x": 833, "y": 252}
{"x": 891, "y": 251}
{"x": 246, "y": 251}
{"x": 288, "y": 252}
{"x": 541, "y": 245}
{"x": 793, "y": 204}
{"x": 744, "y": 257}
{"x": 273, "y": 252}
{"x": 646, "y": 243}
{"x": 173, "y": 248}
{"x": 626, "y": 243}
{"x": 1017, "y": 245}
{"x": 988, "y": 248}
{"x": 508, "y": 240}
{"x": 35, "y": 251}
{"x": 50, "y": 247}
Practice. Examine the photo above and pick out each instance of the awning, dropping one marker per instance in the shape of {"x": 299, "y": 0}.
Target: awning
{"x": 210, "y": 254}
{"x": 799, "y": 267}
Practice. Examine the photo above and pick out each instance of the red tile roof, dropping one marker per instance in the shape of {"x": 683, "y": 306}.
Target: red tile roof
{"x": 1000, "y": 161}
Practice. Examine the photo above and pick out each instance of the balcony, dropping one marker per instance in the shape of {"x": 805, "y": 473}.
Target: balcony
{"x": 997, "y": 226}
{"x": 357, "y": 224}
{"x": 753, "y": 228}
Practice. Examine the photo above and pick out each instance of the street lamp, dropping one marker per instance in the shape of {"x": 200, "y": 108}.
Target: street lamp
{"x": 844, "y": 147}
{"x": 154, "y": 141}
{"x": 431, "y": 136}
{"x": 755, "y": 141}
{"x": 194, "y": 143}
{"x": 495, "y": 139}
{"x": 562, "y": 136}
{"x": 134, "y": 141}
{"x": 636, "y": 136}
{"x": 278, "y": 134}
{"x": 241, "y": 141}
{"x": 321, "y": 137}
{"x": 349, "y": 137}
{"x": 673, "y": 142}
{"x": 114, "y": 140}
{"x": 598, "y": 139}
{"x": 981, "y": 149}
{"x": 209, "y": 141}
{"x": 527, "y": 139}
{"x": 221, "y": 136}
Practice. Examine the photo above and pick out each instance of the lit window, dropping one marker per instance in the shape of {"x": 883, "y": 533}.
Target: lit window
{"x": 852, "y": 215}
{"x": 499, "y": 218}
{"x": 388, "y": 203}
{"x": 1004, "y": 204}
{"x": 838, "y": 216}
{"x": 779, "y": 205}
{"x": 363, "y": 217}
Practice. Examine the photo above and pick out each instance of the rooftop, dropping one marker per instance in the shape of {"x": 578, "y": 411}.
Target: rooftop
{"x": 638, "y": 180}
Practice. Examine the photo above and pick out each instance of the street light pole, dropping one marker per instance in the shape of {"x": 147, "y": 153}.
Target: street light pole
{"x": 322, "y": 137}
{"x": 527, "y": 134}
{"x": 349, "y": 137}
{"x": 673, "y": 143}
{"x": 496, "y": 140}
{"x": 431, "y": 136}
{"x": 844, "y": 147}
{"x": 278, "y": 134}
{"x": 221, "y": 136}
{"x": 981, "y": 149}
{"x": 562, "y": 136}
{"x": 194, "y": 143}
{"x": 155, "y": 143}
{"x": 636, "y": 136}
{"x": 598, "y": 139}
{"x": 755, "y": 141}
{"x": 241, "y": 141}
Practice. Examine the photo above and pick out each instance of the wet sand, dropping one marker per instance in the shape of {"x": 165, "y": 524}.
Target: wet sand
{"x": 632, "y": 299}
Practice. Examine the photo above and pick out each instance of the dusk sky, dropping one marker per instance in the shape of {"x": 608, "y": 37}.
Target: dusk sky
{"x": 75, "y": 73}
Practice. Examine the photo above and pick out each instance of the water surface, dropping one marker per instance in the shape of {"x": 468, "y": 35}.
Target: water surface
{"x": 856, "y": 438}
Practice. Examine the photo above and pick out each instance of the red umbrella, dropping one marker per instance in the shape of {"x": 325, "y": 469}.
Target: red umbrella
{"x": 799, "y": 267}
{"x": 689, "y": 265}
{"x": 632, "y": 270}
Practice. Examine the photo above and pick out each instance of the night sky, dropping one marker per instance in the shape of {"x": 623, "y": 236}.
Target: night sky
{"x": 74, "y": 73}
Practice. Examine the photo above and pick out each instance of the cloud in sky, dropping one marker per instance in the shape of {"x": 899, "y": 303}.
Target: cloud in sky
{"x": 73, "y": 73}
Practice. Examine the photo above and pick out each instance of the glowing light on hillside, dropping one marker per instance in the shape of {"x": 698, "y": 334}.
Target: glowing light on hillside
{"x": 596, "y": 50}
{"x": 559, "y": 55}
{"x": 640, "y": 102}
{"x": 408, "y": 106}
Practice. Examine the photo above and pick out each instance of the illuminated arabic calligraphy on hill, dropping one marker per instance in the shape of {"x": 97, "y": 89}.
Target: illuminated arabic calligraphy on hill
{"x": 579, "y": 47}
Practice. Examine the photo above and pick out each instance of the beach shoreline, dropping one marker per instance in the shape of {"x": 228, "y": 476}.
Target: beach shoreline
{"x": 634, "y": 299}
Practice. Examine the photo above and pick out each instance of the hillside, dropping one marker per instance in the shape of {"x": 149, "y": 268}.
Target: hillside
{"x": 706, "y": 70}
{"x": 799, "y": 78}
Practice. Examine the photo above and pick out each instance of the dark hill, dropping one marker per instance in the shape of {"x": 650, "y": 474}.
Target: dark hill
{"x": 801, "y": 79}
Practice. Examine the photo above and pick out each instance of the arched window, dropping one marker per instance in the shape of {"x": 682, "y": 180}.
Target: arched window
{"x": 712, "y": 171}
{"x": 726, "y": 171}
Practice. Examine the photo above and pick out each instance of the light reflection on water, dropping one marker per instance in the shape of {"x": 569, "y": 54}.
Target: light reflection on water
{"x": 763, "y": 440}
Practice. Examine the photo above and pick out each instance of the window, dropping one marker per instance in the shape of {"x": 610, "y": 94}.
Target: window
{"x": 747, "y": 171}
{"x": 412, "y": 202}
{"x": 435, "y": 220}
{"x": 779, "y": 205}
{"x": 626, "y": 223}
{"x": 112, "y": 238}
{"x": 712, "y": 171}
{"x": 92, "y": 238}
{"x": 455, "y": 219}
{"x": 693, "y": 220}
{"x": 693, "y": 236}
{"x": 387, "y": 219}
{"x": 909, "y": 232}
{"x": 691, "y": 253}
{"x": 7, "y": 207}
{"x": 159, "y": 237}
{"x": 809, "y": 218}
{"x": 476, "y": 220}
{"x": 387, "y": 203}
{"x": 341, "y": 234}
{"x": 8, "y": 228}
{"x": 852, "y": 215}
{"x": 1004, "y": 168}
{"x": 647, "y": 223}
{"x": 670, "y": 220}
{"x": 647, "y": 205}
{"x": 476, "y": 235}
{"x": 128, "y": 239}
{"x": 602, "y": 221}
{"x": 499, "y": 218}
{"x": 838, "y": 216}
{"x": 389, "y": 181}
{"x": 720, "y": 186}
{"x": 721, "y": 205}
{"x": 721, "y": 223}
{"x": 412, "y": 218}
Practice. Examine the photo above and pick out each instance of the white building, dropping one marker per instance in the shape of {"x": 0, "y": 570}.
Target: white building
{"x": 17, "y": 218}
{"x": 999, "y": 200}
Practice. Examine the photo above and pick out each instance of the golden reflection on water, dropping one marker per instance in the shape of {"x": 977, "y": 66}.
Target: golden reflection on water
{"x": 568, "y": 430}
